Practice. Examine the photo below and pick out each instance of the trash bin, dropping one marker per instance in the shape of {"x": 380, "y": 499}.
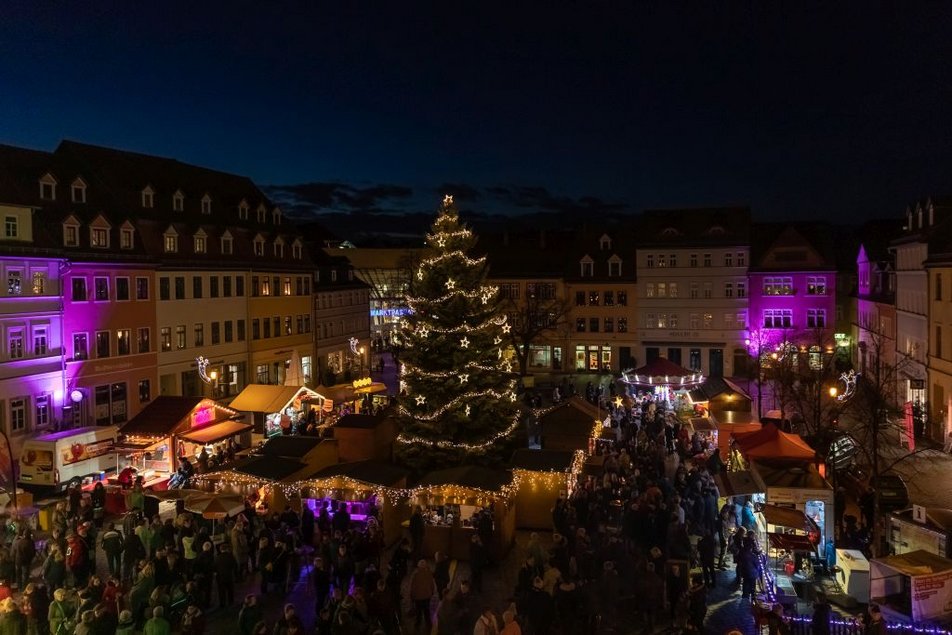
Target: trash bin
{"x": 46, "y": 517}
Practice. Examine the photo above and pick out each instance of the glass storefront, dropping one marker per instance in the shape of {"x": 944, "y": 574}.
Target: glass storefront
{"x": 593, "y": 357}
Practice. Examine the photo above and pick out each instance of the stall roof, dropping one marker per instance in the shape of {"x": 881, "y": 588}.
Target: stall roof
{"x": 782, "y": 474}
{"x": 771, "y": 442}
{"x": 573, "y": 416}
{"x": 366, "y": 422}
{"x": 714, "y": 386}
{"x": 542, "y": 460}
{"x": 790, "y": 542}
{"x": 375, "y": 387}
{"x": 740, "y": 483}
{"x": 217, "y": 432}
{"x": 164, "y": 414}
{"x": 788, "y": 517}
{"x": 937, "y": 518}
{"x": 267, "y": 398}
{"x": 292, "y": 447}
{"x": 266, "y": 468}
{"x": 370, "y": 472}
{"x": 337, "y": 393}
{"x": 472, "y": 476}
{"x": 916, "y": 563}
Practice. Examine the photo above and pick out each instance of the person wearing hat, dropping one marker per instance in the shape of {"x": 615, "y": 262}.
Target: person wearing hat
{"x": 157, "y": 624}
{"x": 12, "y": 621}
{"x": 126, "y": 625}
{"x": 61, "y": 614}
{"x": 540, "y": 608}
{"x": 422, "y": 590}
{"x": 193, "y": 622}
{"x": 86, "y": 624}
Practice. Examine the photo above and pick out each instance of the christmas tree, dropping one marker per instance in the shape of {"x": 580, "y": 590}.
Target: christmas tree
{"x": 457, "y": 390}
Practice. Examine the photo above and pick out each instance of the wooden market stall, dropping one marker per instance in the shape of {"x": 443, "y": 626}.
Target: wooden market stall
{"x": 263, "y": 481}
{"x": 543, "y": 476}
{"x": 462, "y": 501}
{"x": 171, "y": 427}
{"x": 365, "y": 488}
{"x": 799, "y": 487}
{"x": 719, "y": 394}
{"x": 363, "y": 437}
{"x": 315, "y": 453}
{"x": 278, "y": 409}
{"x": 570, "y": 425}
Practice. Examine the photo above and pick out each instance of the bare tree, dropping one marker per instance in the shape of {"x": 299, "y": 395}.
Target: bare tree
{"x": 536, "y": 317}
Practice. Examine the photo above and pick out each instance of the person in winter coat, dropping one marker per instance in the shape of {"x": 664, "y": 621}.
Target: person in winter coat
{"x": 193, "y": 622}
{"x": 24, "y": 551}
{"x": 422, "y": 590}
{"x": 61, "y": 613}
{"x": 112, "y": 546}
{"x": 157, "y": 625}
{"x": 127, "y": 625}
{"x": 250, "y": 615}
{"x": 12, "y": 621}
{"x": 132, "y": 552}
{"x": 54, "y": 569}
{"x": 225, "y": 567}
{"x": 540, "y": 608}
{"x": 822, "y": 611}
{"x": 697, "y": 603}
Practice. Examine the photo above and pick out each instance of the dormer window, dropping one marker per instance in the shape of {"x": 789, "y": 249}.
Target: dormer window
{"x": 99, "y": 233}
{"x": 126, "y": 236}
{"x": 206, "y": 204}
{"x": 243, "y": 210}
{"x": 279, "y": 248}
{"x": 259, "y": 245}
{"x": 588, "y": 267}
{"x": 262, "y": 213}
{"x": 605, "y": 242}
{"x": 670, "y": 231}
{"x": 78, "y": 191}
{"x": 276, "y": 216}
{"x": 178, "y": 201}
{"x": 148, "y": 197}
{"x": 71, "y": 232}
{"x": 170, "y": 241}
{"x": 716, "y": 230}
{"x": 227, "y": 244}
{"x": 199, "y": 242}
{"x": 48, "y": 187}
{"x": 333, "y": 275}
{"x": 297, "y": 250}
{"x": 614, "y": 266}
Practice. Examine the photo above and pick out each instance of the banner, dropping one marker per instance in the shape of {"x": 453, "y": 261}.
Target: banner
{"x": 909, "y": 425}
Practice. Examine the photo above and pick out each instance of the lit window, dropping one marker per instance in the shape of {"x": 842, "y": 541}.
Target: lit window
{"x": 126, "y": 240}
{"x": 199, "y": 244}
{"x": 178, "y": 202}
{"x": 11, "y": 227}
{"x": 816, "y": 285}
{"x": 180, "y": 336}
{"x": 265, "y": 285}
{"x": 171, "y": 243}
{"x": 99, "y": 237}
{"x": 80, "y": 346}
{"x": 206, "y": 204}
{"x": 778, "y": 285}
{"x": 123, "y": 341}
{"x": 15, "y": 344}
{"x": 165, "y": 338}
{"x": 14, "y": 282}
{"x": 287, "y": 286}
{"x": 39, "y": 282}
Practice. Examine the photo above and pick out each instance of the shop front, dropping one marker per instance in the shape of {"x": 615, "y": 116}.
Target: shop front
{"x": 280, "y": 409}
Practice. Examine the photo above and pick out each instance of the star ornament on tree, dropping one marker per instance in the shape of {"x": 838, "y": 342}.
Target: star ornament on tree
{"x": 506, "y": 328}
{"x": 441, "y": 242}
{"x": 448, "y": 199}
{"x": 419, "y": 274}
{"x": 450, "y": 284}
{"x": 420, "y": 400}
{"x": 464, "y": 343}
{"x": 497, "y": 341}
{"x": 467, "y": 410}
{"x": 463, "y": 378}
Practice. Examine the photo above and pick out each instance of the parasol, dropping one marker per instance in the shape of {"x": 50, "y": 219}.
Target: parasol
{"x": 215, "y": 507}
{"x": 176, "y": 494}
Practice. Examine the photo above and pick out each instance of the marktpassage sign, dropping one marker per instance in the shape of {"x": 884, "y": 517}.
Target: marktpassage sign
{"x": 81, "y": 451}
{"x": 931, "y": 596}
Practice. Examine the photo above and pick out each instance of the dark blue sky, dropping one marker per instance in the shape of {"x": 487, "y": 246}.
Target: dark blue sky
{"x": 799, "y": 109}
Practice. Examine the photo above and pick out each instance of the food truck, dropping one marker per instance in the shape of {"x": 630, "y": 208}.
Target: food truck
{"x": 57, "y": 459}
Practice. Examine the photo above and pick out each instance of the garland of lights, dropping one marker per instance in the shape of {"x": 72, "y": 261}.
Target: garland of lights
{"x": 510, "y": 394}
{"x": 480, "y": 293}
{"x": 472, "y": 447}
{"x": 472, "y": 262}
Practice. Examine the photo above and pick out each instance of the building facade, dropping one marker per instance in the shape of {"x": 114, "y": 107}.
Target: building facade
{"x": 875, "y": 328}
{"x": 342, "y": 322}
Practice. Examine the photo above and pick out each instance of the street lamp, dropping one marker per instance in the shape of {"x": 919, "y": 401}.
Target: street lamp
{"x": 362, "y": 351}
{"x": 833, "y": 392}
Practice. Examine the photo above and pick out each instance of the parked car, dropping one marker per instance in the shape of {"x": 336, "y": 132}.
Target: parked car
{"x": 893, "y": 493}
{"x": 836, "y": 448}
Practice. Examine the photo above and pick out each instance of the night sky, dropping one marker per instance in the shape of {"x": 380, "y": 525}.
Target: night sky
{"x": 800, "y": 110}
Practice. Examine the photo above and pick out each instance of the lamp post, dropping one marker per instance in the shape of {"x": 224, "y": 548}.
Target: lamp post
{"x": 760, "y": 373}
{"x": 362, "y": 351}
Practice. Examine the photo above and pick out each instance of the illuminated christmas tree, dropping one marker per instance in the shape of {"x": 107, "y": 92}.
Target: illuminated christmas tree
{"x": 458, "y": 391}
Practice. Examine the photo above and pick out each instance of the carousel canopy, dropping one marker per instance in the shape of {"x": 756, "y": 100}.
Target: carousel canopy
{"x": 542, "y": 460}
{"x": 772, "y": 443}
{"x": 663, "y": 372}
{"x": 471, "y": 476}
{"x": 370, "y": 472}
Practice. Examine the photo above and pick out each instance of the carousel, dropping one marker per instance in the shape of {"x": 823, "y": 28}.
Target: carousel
{"x": 663, "y": 381}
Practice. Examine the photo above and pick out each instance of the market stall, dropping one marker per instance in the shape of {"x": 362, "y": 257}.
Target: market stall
{"x": 171, "y": 427}
{"x": 260, "y": 480}
{"x": 912, "y": 587}
{"x": 364, "y": 488}
{"x": 800, "y": 488}
{"x": 718, "y": 394}
{"x": 463, "y": 501}
{"x": 928, "y": 528}
{"x": 543, "y": 476}
{"x": 372, "y": 395}
{"x": 363, "y": 437}
{"x": 280, "y": 409}
{"x": 769, "y": 442}
{"x": 664, "y": 381}
{"x": 572, "y": 425}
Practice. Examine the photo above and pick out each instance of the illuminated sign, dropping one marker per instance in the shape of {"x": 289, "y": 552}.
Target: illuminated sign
{"x": 83, "y": 451}
{"x": 363, "y": 383}
{"x": 400, "y": 312}
{"x": 203, "y": 416}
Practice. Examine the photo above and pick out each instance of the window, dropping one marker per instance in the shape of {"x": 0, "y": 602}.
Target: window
{"x": 145, "y": 391}
{"x": 143, "y": 342}
{"x": 622, "y": 298}
{"x": 297, "y": 251}
{"x": 103, "y": 344}
{"x": 227, "y": 245}
{"x": 287, "y": 325}
{"x": 728, "y": 320}
{"x": 693, "y": 260}
{"x": 239, "y": 286}
{"x": 299, "y": 285}
{"x": 728, "y": 259}
{"x": 938, "y": 341}
{"x": 673, "y": 260}
{"x": 287, "y": 286}
{"x": 609, "y": 298}
{"x": 609, "y": 325}
{"x": 261, "y": 373}
{"x": 622, "y": 325}
{"x": 241, "y": 330}
{"x": 206, "y": 204}
{"x": 816, "y": 285}
{"x": 580, "y": 325}
{"x": 99, "y": 237}
{"x": 333, "y": 275}
{"x": 741, "y": 259}
{"x": 816, "y": 318}
{"x": 126, "y": 239}
{"x": 593, "y": 298}
{"x": 71, "y": 235}
{"x": 39, "y": 282}
{"x": 509, "y": 291}
{"x": 649, "y": 290}
{"x": 650, "y": 261}
{"x": 40, "y": 343}
{"x": 101, "y": 289}
{"x": 17, "y": 414}
{"x": 307, "y": 323}
{"x": 165, "y": 338}
{"x": 650, "y": 320}
{"x": 226, "y": 286}
{"x": 48, "y": 188}
{"x": 43, "y": 410}
{"x": 15, "y": 343}
{"x": 694, "y": 320}
{"x": 778, "y": 285}
{"x": 662, "y": 321}
{"x": 178, "y": 202}
{"x": 78, "y": 191}
{"x": 265, "y": 286}
{"x": 707, "y": 260}
{"x": 579, "y": 298}
{"x": 171, "y": 243}
{"x": 197, "y": 287}
{"x": 588, "y": 268}
{"x": 256, "y": 329}
{"x": 662, "y": 288}
{"x": 672, "y": 289}
{"x": 14, "y": 282}
{"x": 11, "y": 227}
{"x": 259, "y": 247}
{"x": 122, "y": 289}
{"x": 179, "y": 287}
{"x": 199, "y": 334}
{"x": 142, "y": 288}
{"x": 741, "y": 289}
{"x": 180, "y": 336}
{"x": 742, "y": 320}
{"x": 673, "y": 320}
{"x": 262, "y": 213}
{"x": 79, "y": 290}
{"x": 278, "y": 249}
{"x": 80, "y": 346}
{"x": 199, "y": 244}
{"x": 164, "y": 288}
{"x": 708, "y": 320}
{"x": 148, "y": 198}
{"x": 213, "y": 287}
{"x": 778, "y": 318}
{"x": 123, "y": 341}
{"x": 300, "y": 324}
{"x": 216, "y": 333}
{"x": 229, "y": 331}
{"x": 728, "y": 289}
{"x": 707, "y": 290}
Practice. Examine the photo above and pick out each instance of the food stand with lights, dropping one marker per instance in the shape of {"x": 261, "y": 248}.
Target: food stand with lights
{"x": 543, "y": 477}
{"x": 276, "y": 408}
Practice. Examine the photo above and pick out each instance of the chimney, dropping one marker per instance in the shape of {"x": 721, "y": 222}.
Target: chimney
{"x": 542, "y": 239}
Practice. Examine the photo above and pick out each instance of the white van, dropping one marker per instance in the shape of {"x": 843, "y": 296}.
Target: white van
{"x": 56, "y": 459}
